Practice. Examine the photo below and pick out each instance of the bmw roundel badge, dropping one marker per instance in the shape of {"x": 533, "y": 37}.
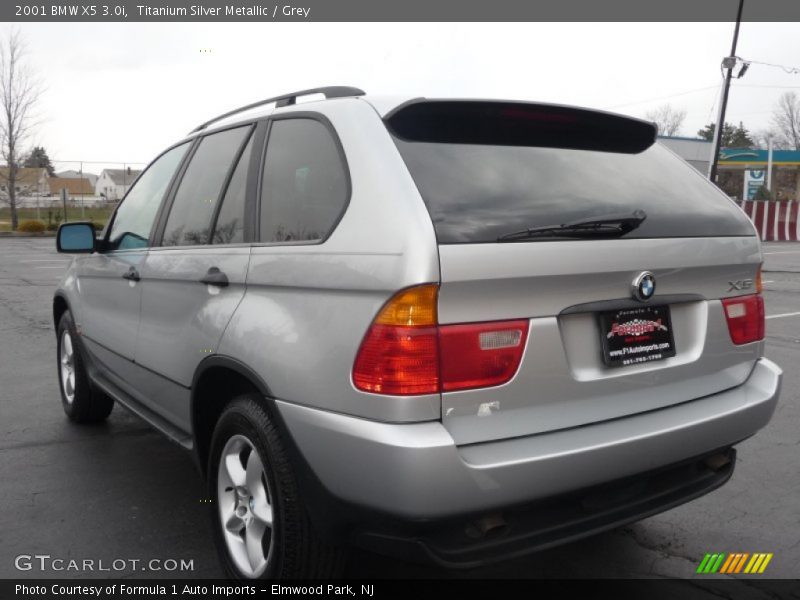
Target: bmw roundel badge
{"x": 644, "y": 286}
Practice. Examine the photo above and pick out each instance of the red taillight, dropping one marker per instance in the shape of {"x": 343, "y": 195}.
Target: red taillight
{"x": 745, "y": 316}
{"x": 398, "y": 361}
{"x": 405, "y": 352}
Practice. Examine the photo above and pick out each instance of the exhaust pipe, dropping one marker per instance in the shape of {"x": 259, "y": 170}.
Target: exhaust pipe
{"x": 715, "y": 462}
{"x": 493, "y": 524}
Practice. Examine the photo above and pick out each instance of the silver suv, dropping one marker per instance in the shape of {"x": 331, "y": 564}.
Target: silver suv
{"x": 449, "y": 330}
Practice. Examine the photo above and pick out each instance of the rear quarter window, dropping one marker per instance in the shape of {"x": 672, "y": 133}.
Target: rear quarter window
{"x": 305, "y": 185}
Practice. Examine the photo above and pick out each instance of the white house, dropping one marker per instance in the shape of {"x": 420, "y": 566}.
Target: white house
{"x": 114, "y": 183}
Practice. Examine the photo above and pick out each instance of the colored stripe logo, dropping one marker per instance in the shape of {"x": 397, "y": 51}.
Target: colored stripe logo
{"x": 736, "y": 562}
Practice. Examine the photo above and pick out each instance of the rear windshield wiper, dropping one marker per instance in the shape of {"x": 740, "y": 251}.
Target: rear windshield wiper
{"x": 604, "y": 226}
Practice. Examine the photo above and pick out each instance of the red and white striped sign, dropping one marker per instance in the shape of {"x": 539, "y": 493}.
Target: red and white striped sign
{"x": 777, "y": 221}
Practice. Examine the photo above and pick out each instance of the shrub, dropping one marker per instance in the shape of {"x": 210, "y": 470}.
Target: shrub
{"x": 98, "y": 225}
{"x": 52, "y": 226}
{"x": 762, "y": 193}
{"x": 31, "y": 226}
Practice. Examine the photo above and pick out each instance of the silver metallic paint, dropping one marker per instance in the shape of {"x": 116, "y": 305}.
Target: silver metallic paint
{"x": 417, "y": 471}
{"x": 296, "y": 314}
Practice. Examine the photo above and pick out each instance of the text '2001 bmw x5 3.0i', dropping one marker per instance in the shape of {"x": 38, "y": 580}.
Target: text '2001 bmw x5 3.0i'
{"x": 451, "y": 330}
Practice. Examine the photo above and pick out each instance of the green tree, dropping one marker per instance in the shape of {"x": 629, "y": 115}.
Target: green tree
{"x": 732, "y": 136}
{"x": 38, "y": 159}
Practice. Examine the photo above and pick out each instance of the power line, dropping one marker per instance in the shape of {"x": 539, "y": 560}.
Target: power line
{"x": 760, "y": 85}
{"x": 687, "y": 92}
{"x": 784, "y": 68}
{"x": 711, "y": 110}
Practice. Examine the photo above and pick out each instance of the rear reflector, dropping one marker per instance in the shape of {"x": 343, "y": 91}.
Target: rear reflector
{"x": 745, "y": 316}
{"x": 405, "y": 352}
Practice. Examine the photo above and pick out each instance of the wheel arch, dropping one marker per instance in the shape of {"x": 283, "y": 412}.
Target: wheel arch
{"x": 60, "y": 306}
{"x": 218, "y": 380}
{"x": 237, "y": 378}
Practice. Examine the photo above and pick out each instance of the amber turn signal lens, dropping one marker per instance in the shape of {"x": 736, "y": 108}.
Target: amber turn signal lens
{"x": 413, "y": 307}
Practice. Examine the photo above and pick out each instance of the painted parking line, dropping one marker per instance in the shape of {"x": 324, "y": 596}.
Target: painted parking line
{"x": 784, "y": 252}
{"x": 62, "y": 268}
{"x": 791, "y": 314}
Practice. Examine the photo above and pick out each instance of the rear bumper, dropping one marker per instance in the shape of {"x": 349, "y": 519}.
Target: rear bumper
{"x": 465, "y": 542}
{"x": 415, "y": 472}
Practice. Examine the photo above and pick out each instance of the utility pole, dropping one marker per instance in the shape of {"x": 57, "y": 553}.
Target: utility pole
{"x": 64, "y": 202}
{"x": 728, "y": 62}
{"x": 768, "y": 183}
{"x": 80, "y": 180}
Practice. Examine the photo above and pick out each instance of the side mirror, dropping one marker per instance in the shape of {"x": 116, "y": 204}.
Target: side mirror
{"x": 75, "y": 238}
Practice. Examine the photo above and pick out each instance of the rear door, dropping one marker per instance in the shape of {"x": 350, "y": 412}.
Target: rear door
{"x": 489, "y": 173}
{"x": 194, "y": 279}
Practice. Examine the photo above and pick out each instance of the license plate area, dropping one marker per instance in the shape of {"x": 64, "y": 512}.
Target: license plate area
{"x": 635, "y": 336}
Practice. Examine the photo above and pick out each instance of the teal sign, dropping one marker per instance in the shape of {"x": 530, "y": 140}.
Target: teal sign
{"x": 753, "y": 179}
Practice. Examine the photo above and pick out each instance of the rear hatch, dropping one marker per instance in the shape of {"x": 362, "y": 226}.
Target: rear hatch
{"x": 499, "y": 180}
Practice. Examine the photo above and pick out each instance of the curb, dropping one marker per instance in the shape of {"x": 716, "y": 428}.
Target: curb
{"x": 25, "y": 234}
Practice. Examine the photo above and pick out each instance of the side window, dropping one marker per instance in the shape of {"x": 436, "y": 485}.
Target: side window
{"x": 230, "y": 221}
{"x": 189, "y": 220}
{"x": 304, "y": 187}
{"x": 134, "y": 218}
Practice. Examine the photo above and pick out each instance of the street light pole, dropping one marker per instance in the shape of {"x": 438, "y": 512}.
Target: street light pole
{"x": 729, "y": 62}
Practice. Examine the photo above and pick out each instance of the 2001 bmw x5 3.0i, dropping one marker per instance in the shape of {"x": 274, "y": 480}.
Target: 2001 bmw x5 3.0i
{"x": 451, "y": 330}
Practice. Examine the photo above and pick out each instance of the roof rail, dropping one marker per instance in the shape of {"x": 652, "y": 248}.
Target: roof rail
{"x": 333, "y": 91}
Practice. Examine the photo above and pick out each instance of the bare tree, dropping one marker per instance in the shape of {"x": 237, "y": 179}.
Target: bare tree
{"x": 669, "y": 120}
{"x": 763, "y": 136}
{"x": 19, "y": 92}
{"x": 786, "y": 120}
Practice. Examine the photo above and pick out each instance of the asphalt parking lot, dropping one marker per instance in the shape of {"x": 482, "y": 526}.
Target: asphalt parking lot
{"x": 121, "y": 491}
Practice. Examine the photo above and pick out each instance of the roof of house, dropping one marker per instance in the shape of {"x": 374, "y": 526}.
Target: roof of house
{"x": 121, "y": 176}
{"x": 74, "y": 186}
{"x": 25, "y": 175}
{"x": 72, "y": 174}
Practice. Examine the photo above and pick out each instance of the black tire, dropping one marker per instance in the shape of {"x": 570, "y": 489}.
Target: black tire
{"x": 293, "y": 550}
{"x": 87, "y": 405}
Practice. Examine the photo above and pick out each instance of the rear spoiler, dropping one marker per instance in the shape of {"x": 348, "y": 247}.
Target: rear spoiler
{"x": 498, "y": 123}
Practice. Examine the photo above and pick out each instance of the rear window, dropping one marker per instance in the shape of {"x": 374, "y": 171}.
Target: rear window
{"x": 481, "y": 181}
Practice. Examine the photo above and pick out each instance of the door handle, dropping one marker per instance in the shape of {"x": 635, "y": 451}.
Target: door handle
{"x": 131, "y": 275}
{"x": 215, "y": 277}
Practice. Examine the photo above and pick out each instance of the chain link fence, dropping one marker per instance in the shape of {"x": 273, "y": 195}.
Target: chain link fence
{"x": 74, "y": 190}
